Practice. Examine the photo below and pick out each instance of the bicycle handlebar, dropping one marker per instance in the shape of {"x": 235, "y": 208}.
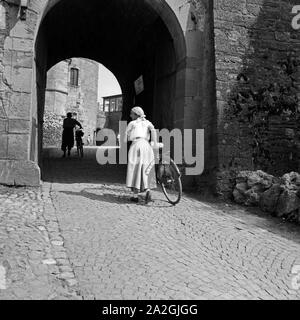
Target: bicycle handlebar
{"x": 159, "y": 145}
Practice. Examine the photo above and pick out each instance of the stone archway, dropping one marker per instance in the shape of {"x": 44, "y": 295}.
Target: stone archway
{"x": 159, "y": 39}
{"x": 130, "y": 38}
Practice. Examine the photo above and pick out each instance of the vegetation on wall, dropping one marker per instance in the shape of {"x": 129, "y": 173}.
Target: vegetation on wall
{"x": 52, "y": 130}
{"x": 260, "y": 99}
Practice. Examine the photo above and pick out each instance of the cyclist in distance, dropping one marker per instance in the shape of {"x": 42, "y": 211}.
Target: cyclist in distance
{"x": 68, "y": 133}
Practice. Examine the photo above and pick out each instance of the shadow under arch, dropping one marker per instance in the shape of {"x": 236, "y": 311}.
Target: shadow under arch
{"x": 162, "y": 8}
{"x": 129, "y": 37}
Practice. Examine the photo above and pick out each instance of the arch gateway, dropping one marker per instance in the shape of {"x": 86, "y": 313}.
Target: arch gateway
{"x": 199, "y": 60}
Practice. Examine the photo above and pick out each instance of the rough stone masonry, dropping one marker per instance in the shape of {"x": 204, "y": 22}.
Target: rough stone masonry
{"x": 257, "y": 86}
{"x": 230, "y": 67}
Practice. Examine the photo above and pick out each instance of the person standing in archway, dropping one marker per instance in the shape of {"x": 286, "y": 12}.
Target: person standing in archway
{"x": 89, "y": 140}
{"x": 141, "y": 169}
{"x": 68, "y": 133}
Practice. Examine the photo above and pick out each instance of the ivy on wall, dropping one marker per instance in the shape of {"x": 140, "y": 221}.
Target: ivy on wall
{"x": 262, "y": 96}
{"x": 52, "y": 130}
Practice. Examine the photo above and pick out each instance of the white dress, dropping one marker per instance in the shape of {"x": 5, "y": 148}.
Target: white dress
{"x": 140, "y": 169}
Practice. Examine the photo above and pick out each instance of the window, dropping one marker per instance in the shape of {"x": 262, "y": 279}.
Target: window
{"x": 106, "y": 105}
{"x": 74, "y": 77}
{"x": 112, "y": 105}
{"x": 119, "y": 103}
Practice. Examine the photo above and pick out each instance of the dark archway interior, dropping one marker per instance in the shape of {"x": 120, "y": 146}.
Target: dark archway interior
{"x": 127, "y": 36}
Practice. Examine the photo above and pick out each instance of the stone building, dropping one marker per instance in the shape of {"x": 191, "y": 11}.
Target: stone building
{"x": 230, "y": 67}
{"x": 72, "y": 86}
{"x": 109, "y": 115}
{"x": 110, "y": 112}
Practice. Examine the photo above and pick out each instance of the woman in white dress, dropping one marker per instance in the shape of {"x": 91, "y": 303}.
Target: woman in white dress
{"x": 140, "y": 170}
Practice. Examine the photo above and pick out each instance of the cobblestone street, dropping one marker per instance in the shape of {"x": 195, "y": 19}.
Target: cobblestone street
{"x": 79, "y": 237}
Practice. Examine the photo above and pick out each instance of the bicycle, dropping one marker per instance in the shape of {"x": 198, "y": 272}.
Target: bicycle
{"x": 79, "y": 144}
{"x": 168, "y": 176}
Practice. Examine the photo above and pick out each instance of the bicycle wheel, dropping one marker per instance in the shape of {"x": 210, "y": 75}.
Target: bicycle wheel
{"x": 79, "y": 150}
{"x": 170, "y": 182}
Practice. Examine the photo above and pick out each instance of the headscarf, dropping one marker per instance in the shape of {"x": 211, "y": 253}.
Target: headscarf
{"x": 139, "y": 112}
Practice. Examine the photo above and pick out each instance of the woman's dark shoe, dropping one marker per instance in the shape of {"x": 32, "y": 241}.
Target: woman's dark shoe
{"x": 134, "y": 199}
{"x": 148, "y": 197}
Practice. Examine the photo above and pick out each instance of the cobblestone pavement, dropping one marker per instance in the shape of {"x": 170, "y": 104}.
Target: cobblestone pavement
{"x": 27, "y": 247}
{"x": 80, "y": 237}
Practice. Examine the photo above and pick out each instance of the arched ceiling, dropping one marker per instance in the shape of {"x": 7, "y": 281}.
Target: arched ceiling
{"x": 129, "y": 37}
{"x": 113, "y": 32}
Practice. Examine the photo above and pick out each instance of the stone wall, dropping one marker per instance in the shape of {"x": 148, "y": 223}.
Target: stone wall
{"x": 16, "y": 63}
{"x": 57, "y": 89}
{"x": 204, "y": 111}
{"x": 257, "y": 82}
{"x": 84, "y": 98}
{"x": 278, "y": 196}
